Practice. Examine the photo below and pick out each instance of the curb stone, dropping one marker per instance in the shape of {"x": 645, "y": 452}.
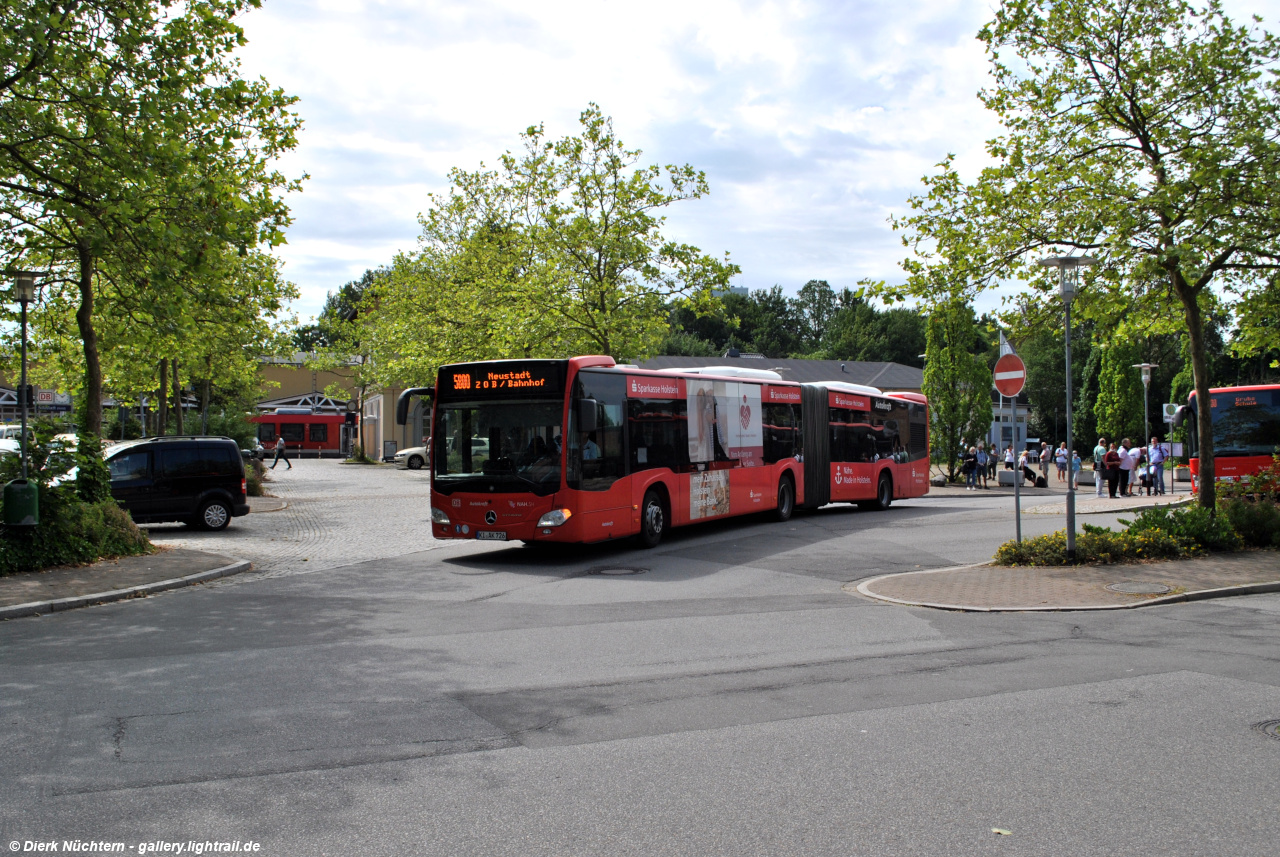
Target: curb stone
{"x": 39, "y": 608}
{"x": 1197, "y": 595}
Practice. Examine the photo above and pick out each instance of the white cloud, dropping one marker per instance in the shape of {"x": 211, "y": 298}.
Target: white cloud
{"x": 812, "y": 120}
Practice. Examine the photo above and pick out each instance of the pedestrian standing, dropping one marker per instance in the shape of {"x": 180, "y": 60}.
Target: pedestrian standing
{"x": 1111, "y": 464}
{"x": 983, "y": 460}
{"x": 1008, "y": 458}
{"x": 280, "y": 454}
{"x": 1046, "y": 455}
{"x": 1155, "y": 454}
{"x": 1060, "y": 458}
{"x": 1126, "y": 467}
{"x": 969, "y": 467}
{"x": 1075, "y": 470}
{"x": 1099, "y": 469}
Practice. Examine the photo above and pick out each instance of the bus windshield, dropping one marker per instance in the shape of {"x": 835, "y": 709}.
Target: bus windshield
{"x": 510, "y": 445}
{"x": 1245, "y": 422}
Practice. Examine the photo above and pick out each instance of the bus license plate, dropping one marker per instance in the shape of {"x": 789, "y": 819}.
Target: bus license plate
{"x": 484, "y": 536}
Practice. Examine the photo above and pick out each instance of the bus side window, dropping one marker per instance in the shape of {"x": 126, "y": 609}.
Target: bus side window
{"x": 658, "y": 431}
{"x": 781, "y": 432}
{"x": 267, "y": 432}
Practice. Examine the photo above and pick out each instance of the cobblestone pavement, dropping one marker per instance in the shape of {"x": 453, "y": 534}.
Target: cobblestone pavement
{"x": 1001, "y": 588}
{"x": 337, "y": 514}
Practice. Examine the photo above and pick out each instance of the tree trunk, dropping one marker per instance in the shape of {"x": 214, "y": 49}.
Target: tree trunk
{"x": 177, "y": 399}
{"x": 89, "y": 338}
{"x": 1200, "y": 369}
{"x": 162, "y": 409}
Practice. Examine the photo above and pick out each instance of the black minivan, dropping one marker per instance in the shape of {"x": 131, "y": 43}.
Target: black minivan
{"x": 199, "y": 480}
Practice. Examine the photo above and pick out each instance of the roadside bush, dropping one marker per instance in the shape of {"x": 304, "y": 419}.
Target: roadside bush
{"x": 1257, "y": 522}
{"x": 131, "y": 430}
{"x": 234, "y": 425}
{"x": 1095, "y": 545}
{"x": 1194, "y": 523}
{"x": 358, "y": 456}
{"x": 255, "y": 473}
{"x": 72, "y": 529}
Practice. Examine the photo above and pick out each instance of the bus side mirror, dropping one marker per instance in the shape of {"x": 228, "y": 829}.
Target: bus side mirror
{"x": 587, "y": 409}
{"x": 1180, "y": 416}
{"x": 402, "y": 403}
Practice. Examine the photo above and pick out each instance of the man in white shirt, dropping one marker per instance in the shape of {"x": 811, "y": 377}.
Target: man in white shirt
{"x": 1128, "y": 459}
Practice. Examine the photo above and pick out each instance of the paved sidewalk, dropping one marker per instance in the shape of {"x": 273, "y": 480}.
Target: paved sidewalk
{"x": 997, "y": 588}
{"x": 63, "y": 588}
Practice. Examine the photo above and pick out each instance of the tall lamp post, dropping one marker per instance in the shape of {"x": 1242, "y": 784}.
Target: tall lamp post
{"x": 1146, "y": 386}
{"x": 1146, "y": 417}
{"x": 21, "y": 499}
{"x": 1068, "y": 283}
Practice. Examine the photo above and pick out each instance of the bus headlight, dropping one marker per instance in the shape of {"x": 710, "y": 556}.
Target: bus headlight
{"x": 555, "y": 518}
{"x": 438, "y": 516}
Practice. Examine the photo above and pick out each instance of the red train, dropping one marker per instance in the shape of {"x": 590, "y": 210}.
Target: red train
{"x": 301, "y": 429}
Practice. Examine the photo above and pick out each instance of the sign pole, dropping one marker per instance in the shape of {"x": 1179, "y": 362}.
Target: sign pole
{"x": 1009, "y": 376}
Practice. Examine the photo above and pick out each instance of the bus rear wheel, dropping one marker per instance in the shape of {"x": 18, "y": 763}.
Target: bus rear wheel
{"x": 653, "y": 519}
{"x": 786, "y": 499}
{"x": 884, "y": 495}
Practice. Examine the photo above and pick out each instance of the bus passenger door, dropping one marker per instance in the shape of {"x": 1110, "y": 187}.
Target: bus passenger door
{"x": 596, "y": 457}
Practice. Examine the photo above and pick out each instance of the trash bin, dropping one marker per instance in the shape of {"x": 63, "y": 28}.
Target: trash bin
{"x": 21, "y": 503}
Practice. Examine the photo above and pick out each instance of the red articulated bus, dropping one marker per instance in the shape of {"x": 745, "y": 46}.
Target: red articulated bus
{"x": 301, "y": 429}
{"x": 1246, "y": 430}
{"x": 586, "y": 450}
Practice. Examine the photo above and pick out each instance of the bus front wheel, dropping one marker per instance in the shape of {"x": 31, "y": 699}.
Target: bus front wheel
{"x": 786, "y": 499}
{"x": 653, "y": 519}
{"x": 884, "y": 495}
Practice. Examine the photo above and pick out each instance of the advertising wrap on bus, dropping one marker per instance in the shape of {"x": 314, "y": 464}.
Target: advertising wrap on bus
{"x": 585, "y": 450}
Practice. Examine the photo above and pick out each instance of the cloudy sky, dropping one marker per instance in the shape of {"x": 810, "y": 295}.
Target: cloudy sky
{"x": 813, "y": 121}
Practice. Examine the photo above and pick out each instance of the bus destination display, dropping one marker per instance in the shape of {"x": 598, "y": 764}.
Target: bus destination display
{"x": 502, "y": 379}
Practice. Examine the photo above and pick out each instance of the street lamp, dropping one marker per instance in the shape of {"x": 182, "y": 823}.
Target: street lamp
{"x": 1068, "y": 284}
{"x": 21, "y": 499}
{"x": 1146, "y": 419}
{"x": 1146, "y": 385}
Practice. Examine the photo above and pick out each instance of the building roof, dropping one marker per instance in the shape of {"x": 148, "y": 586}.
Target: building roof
{"x": 889, "y": 377}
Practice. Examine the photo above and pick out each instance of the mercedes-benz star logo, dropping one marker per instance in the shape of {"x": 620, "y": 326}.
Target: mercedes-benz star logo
{"x": 491, "y": 517}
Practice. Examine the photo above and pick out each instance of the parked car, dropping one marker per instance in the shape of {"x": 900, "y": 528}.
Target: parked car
{"x": 197, "y": 480}
{"x": 413, "y": 457}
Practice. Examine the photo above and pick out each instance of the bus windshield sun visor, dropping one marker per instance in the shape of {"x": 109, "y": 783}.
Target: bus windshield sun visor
{"x": 402, "y": 403}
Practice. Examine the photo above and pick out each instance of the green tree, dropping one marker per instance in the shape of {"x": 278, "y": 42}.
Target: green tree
{"x": 131, "y": 152}
{"x": 558, "y": 250}
{"x": 957, "y": 382}
{"x": 1144, "y": 132}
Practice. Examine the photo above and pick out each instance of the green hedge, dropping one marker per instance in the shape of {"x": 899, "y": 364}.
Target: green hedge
{"x": 1160, "y": 533}
{"x": 79, "y": 522}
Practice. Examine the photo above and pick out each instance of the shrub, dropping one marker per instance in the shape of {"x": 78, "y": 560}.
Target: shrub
{"x": 358, "y": 456}
{"x": 1193, "y": 523}
{"x": 1095, "y": 545}
{"x": 131, "y": 430}
{"x": 72, "y": 529}
{"x": 234, "y": 425}
{"x": 93, "y": 476}
{"x": 255, "y": 473}
{"x": 1257, "y": 522}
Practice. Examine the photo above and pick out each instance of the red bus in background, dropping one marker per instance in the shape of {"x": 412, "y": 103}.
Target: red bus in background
{"x": 1246, "y": 430}
{"x": 301, "y": 429}
{"x": 586, "y": 450}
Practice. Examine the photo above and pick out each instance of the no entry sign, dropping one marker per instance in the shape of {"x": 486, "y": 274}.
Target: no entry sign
{"x": 1010, "y": 375}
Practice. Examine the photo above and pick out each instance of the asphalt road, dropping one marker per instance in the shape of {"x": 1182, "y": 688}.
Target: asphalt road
{"x": 717, "y": 696}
